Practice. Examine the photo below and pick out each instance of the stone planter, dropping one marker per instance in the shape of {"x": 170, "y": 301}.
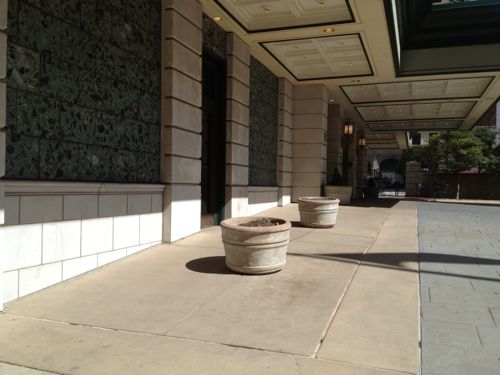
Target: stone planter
{"x": 342, "y": 193}
{"x": 255, "y": 249}
{"x": 318, "y": 212}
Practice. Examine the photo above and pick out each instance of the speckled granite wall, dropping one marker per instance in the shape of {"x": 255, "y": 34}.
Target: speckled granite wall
{"x": 214, "y": 37}
{"x": 264, "y": 90}
{"x": 83, "y": 95}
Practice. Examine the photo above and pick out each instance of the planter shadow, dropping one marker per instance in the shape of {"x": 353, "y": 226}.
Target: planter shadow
{"x": 215, "y": 265}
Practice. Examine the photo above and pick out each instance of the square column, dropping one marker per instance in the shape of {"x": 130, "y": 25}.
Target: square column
{"x": 237, "y": 126}
{"x": 334, "y": 146}
{"x": 181, "y": 117}
{"x": 285, "y": 142}
{"x": 310, "y": 116}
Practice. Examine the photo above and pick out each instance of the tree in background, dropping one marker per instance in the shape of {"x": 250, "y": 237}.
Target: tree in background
{"x": 457, "y": 151}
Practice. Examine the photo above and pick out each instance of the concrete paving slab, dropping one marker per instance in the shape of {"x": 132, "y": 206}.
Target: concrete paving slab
{"x": 377, "y": 322}
{"x": 147, "y": 292}
{"x": 458, "y": 325}
{"x": 438, "y": 279}
{"x": 339, "y": 252}
{"x": 472, "y": 315}
{"x": 72, "y": 349}
{"x": 327, "y": 237}
{"x": 451, "y": 334}
{"x": 175, "y": 309}
{"x": 453, "y": 360}
{"x": 7, "y": 369}
{"x": 375, "y": 328}
{"x": 285, "y": 312}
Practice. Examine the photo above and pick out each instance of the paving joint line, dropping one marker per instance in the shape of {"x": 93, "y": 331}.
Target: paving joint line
{"x": 344, "y": 292}
{"x": 270, "y": 351}
{"x": 32, "y": 368}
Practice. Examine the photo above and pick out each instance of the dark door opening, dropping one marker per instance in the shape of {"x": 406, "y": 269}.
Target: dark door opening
{"x": 213, "y": 161}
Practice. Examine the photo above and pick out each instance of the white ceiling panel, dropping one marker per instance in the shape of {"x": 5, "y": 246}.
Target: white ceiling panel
{"x": 324, "y": 57}
{"x": 260, "y": 15}
{"x": 418, "y": 90}
{"x": 415, "y": 111}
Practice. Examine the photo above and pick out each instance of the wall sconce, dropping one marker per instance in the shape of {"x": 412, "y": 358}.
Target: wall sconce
{"x": 362, "y": 141}
{"x": 348, "y": 128}
{"x": 348, "y": 131}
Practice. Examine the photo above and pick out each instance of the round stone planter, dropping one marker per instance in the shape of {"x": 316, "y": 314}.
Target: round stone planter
{"x": 342, "y": 193}
{"x": 255, "y": 249}
{"x": 318, "y": 212}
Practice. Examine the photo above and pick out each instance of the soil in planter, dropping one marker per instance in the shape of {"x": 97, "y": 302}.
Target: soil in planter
{"x": 262, "y": 222}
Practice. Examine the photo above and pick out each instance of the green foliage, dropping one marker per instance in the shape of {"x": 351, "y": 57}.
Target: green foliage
{"x": 457, "y": 151}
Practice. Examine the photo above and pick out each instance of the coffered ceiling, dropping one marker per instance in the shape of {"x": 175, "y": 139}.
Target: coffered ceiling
{"x": 415, "y": 111}
{"x": 418, "y": 90}
{"x": 349, "y": 46}
{"x": 262, "y": 15}
{"x": 414, "y": 125}
{"x": 322, "y": 58}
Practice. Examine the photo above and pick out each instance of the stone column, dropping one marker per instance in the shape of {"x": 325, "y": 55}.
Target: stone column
{"x": 334, "y": 140}
{"x": 413, "y": 178}
{"x": 3, "y": 109}
{"x": 309, "y": 140}
{"x": 352, "y": 161}
{"x": 181, "y": 117}
{"x": 361, "y": 170}
{"x": 237, "y": 126}
{"x": 285, "y": 142}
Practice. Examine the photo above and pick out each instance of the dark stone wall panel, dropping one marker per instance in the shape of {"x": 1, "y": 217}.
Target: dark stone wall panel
{"x": 264, "y": 91}
{"x": 83, "y": 90}
{"x": 214, "y": 37}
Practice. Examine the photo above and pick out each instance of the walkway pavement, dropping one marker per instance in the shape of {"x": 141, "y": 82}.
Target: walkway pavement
{"x": 346, "y": 303}
{"x": 460, "y": 288}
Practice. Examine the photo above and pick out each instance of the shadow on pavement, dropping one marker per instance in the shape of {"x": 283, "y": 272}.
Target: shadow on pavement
{"x": 215, "y": 265}
{"x": 395, "y": 260}
{"x": 378, "y": 203}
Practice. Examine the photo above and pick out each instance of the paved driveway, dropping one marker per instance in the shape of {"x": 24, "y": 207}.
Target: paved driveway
{"x": 460, "y": 288}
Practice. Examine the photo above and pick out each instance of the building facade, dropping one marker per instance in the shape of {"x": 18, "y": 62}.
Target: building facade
{"x": 125, "y": 124}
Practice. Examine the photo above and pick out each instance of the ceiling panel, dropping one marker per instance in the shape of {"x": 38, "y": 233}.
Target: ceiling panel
{"x": 323, "y": 57}
{"x": 261, "y": 15}
{"x": 416, "y": 111}
{"x": 414, "y": 125}
{"x": 417, "y": 90}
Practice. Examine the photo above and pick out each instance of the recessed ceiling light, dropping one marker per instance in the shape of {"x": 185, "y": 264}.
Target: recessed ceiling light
{"x": 266, "y": 8}
{"x": 328, "y": 29}
{"x": 217, "y": 18}
{"x": 306, "y": 58}
{"x": 331, "y": 100}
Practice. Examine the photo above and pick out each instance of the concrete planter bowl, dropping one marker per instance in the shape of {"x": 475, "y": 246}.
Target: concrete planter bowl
{"x": 342, "y": 193}
{"x": 318, "y": 212}
{"x": 255, "y": 245}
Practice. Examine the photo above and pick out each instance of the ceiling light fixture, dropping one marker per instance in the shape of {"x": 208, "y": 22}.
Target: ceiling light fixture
{"x": 328, "y": 30}
{"x": 266, "y": 8}
{"x": 217, "y": 18}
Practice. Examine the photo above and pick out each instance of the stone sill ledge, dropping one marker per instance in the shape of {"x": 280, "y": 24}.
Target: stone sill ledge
{"x": 256, "y": 189}
{"x": 18, "y": 187}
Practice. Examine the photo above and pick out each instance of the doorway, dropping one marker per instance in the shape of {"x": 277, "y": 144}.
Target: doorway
{"x": 213, "y": 161}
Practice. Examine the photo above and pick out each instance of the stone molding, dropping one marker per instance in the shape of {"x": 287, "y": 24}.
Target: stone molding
{"x": 16, "y": 187}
